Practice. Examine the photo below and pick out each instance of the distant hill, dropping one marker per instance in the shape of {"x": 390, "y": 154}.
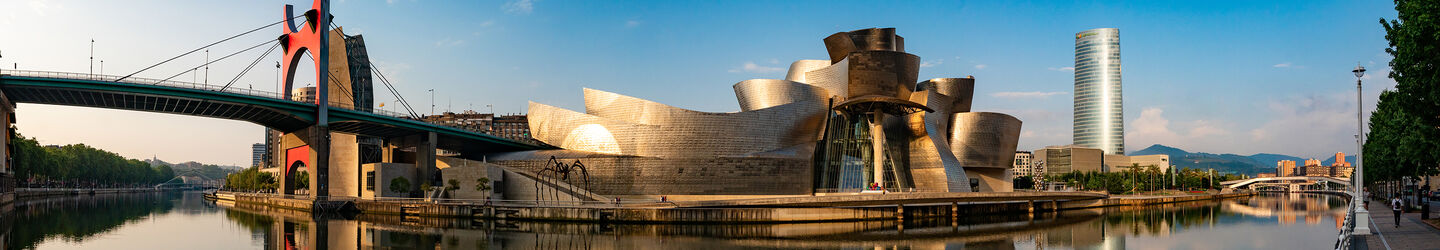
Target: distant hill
{"x": 191, "y": 168}
{"x": 1249, "y": 165}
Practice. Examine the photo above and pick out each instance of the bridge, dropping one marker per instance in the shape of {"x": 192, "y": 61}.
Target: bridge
{"x": 259, "y": 107}
{"x": 306, "y": 129}
{"x": 1287, "y": 183}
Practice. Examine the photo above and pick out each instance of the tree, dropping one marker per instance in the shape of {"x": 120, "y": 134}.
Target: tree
{"x": 400, "y": 185}
{"x": 163, "y": 173}
{"x": 302, "y": 180}
{"x": 483, "y": 185}
{"x": 1415, "y": 45}
{"x": 1399, "y": 144}
{"x": 1024, "y": 182}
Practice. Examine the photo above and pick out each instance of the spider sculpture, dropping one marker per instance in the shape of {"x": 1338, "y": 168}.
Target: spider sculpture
{"x": 556, "y": 168}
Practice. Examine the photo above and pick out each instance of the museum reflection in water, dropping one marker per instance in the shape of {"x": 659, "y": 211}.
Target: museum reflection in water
{"x": 1273, "y": 216}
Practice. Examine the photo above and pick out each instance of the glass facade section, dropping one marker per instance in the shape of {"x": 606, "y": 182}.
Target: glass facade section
{"x": 1099, "y": 113}
{"x": 845, "y": 162}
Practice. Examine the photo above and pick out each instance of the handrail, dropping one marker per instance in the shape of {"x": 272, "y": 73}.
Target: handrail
{"x": 1342, "y": 241}
{"x": 223, "y": 89}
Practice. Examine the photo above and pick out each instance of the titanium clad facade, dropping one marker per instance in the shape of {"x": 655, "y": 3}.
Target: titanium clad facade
{"x": 758, "y": 94}
{"x": 1099, "y": 114}
{"x": 798, "y": 69}
{"x": 932, "y": 163}
{"x": 990, "y": 139}
{"x": 858, "y": 121}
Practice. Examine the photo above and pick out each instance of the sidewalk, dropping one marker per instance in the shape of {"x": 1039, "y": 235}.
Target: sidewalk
{"x": 1411, "y": 234}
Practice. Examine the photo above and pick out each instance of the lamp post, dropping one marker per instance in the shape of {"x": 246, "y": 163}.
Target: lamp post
{"x": 432, "y": 101}
{"x": 92, "y": 58}
{"x": 278, "y": 88}
{"x": 1362, "y": 216}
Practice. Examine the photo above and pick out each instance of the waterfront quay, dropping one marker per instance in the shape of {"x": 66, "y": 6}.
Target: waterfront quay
{"x": 756, "y": 210}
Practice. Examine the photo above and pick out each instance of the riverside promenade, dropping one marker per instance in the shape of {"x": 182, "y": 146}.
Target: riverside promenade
{"x": 766, "y": 210}
{"x": 1412, "y": 233}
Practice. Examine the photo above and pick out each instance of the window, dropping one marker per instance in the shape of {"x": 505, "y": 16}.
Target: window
{"x": 370, "y": 180}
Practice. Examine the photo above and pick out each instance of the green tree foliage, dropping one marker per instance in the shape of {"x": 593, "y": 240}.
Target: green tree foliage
{"x": 1398, "y": 143}
{"x": 1024, "y": 182}
{"x": 1404, "y": 139}
{"x": 453, "y": 185}
{"x": 400, "y": 185}
{"x": 251, "y": 180}
{"x": 1415, "y": 44}
{"x": 80, "y": 166}
{"x": 302, "y": 179}
{"x": 1140, "y": 179}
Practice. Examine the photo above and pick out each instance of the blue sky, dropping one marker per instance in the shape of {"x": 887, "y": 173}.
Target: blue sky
{"x": 1215, "y": 76}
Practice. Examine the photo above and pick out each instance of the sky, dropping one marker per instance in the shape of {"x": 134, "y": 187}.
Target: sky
{"x": 1240, "y": 77}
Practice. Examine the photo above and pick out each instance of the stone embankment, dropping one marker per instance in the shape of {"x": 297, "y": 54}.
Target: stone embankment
{"x": 24, "y": 193}
{"x": 867, "y": 207}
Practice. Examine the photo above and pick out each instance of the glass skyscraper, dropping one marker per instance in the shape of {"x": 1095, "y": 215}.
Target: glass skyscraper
{"x": 1099, "y": 113}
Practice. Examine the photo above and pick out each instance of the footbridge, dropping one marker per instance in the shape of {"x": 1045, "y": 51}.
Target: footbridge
{"x": 1283, "y": 182}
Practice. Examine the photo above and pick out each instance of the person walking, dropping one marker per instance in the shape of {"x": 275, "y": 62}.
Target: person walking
{"x": 1396, "y": 205}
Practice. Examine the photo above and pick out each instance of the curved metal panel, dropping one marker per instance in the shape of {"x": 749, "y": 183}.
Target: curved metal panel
{"x": 988, "y": 139}
{"x": 833, "y": 78}
{"x": 875, "y": 39}
{"x": 645, "y": 128}
{"x": 961, "y": 90}
{"x": 933, "y": 165}
{"x": 798, "y": 69}
{"x": 839, "y": 46}
{"x": 886, "y": 73}
{"x": 764, "y": 93}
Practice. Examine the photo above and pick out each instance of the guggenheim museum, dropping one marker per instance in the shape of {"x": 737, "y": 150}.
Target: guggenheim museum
{"x": 857, "y": 122}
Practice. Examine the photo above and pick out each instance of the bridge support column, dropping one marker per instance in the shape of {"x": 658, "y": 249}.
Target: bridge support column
{"x": 320, "y": 172}
{"x": 425, "y": 160}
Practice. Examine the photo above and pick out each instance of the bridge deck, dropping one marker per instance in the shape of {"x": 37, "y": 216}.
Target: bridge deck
{"x": 259, "y": 107}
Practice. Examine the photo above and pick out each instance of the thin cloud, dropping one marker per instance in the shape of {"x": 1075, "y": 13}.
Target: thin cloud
{"x": 519, "y": 7}
{"x": 448, "y": 42}
{"x": 927, "y": 64}
{"x": 632, "y": 24}
{"x": 751, "y": 67}
{"x": 981, "y": 66}
{"x": 1287, "y": 65}
{"x": 1032, "y": 94}
{"x": 1062, "y": 69}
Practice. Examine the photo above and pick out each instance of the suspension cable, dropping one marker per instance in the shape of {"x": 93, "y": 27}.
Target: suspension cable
{"x": 384, "y": 80}
{"x": 216, "y": 60}
{"x": 208, "y": 46}
{"x": 252, "y": 65}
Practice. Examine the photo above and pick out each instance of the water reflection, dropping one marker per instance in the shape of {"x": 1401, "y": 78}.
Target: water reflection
{"x": 1246, "y": 223}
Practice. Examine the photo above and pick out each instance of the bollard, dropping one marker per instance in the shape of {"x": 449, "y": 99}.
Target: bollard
{"x": 1426, "y": 208}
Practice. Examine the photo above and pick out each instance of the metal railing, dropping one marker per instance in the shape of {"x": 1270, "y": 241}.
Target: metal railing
{"x": 142, "y": 81}
{"x": 223, "y": 89}
{"x": 1342, "y": 241}
{"x": 861, "y": 190}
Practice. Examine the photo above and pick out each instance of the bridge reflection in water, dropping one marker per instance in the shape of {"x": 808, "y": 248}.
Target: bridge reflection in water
{"x": 1266, "y": 221}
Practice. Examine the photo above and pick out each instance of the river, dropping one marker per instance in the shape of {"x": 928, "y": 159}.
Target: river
{"x": 186, "y": 221}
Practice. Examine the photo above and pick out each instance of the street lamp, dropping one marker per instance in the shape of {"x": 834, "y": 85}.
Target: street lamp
{"x": 432, "y": 101}
{"x": 1362, "y": 216}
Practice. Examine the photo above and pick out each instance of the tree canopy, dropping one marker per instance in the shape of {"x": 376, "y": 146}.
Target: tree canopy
{"x": 79, "y": 165}
{"x": 1403, "y": 139}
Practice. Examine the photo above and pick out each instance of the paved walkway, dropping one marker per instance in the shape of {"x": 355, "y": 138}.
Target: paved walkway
{"x": 1411, "y": 234}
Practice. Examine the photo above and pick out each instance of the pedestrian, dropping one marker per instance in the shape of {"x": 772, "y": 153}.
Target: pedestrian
{"x": 1395, "y": 205}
